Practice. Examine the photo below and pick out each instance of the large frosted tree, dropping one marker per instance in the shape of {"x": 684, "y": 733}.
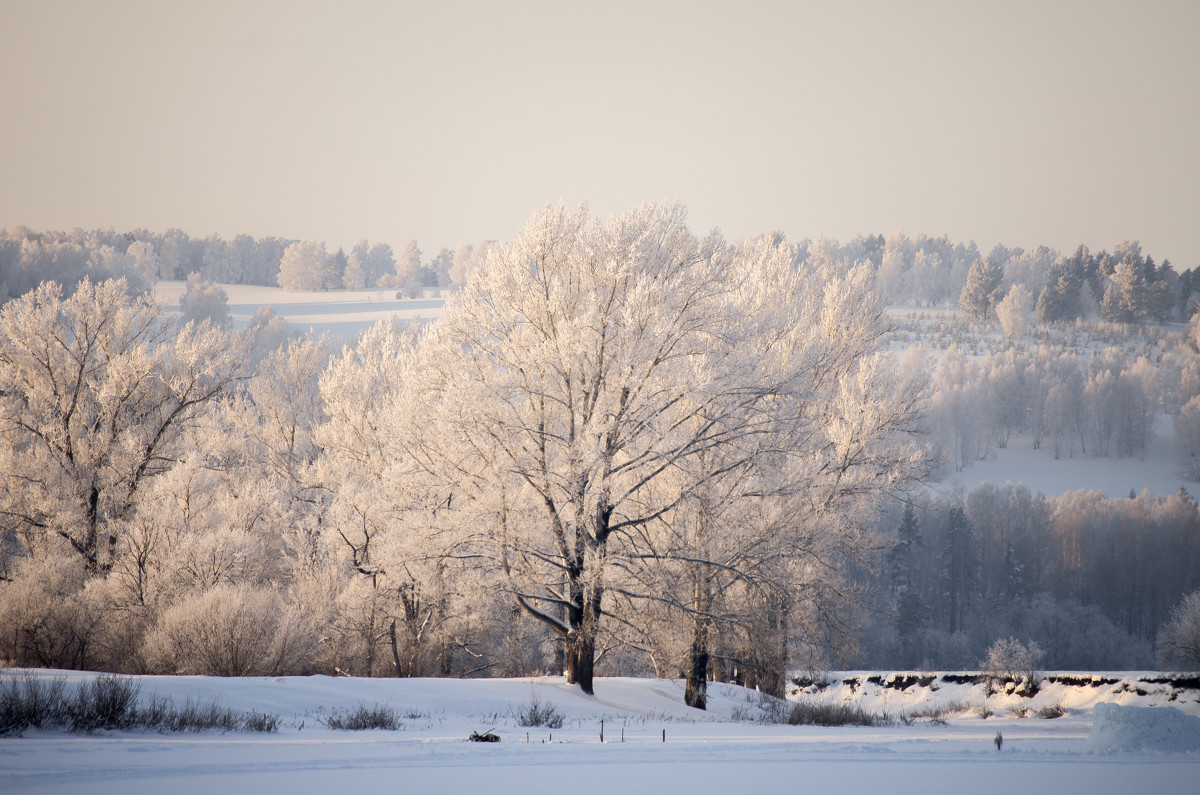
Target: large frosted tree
{"x": 595, "y": 377}
{"x": 576, "y": 367}
{"x": 96, "y": 392}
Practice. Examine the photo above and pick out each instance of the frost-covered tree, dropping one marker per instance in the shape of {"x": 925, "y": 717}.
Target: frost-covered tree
{"x": 1008, "y": 659}
{"x": 584, "y": 354}
{"x": 1013, "y": 311}
{"x": 307, "y": 266}
{"x": 203, "y": 300}
{"x": 382, "y": 527}
{"x": 602, "y": 360}
{"x": 1187, "y": 439}
{"x": 356, "y": 273}
{"x": 1179, "y": 639}
{"x": 982, "y": 290}
{"x": 406, "y": 269}
{"x": 96, "y": 393}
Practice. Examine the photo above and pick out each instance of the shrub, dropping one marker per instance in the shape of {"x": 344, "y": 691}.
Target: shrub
{"x": 536, "y": 713}
{"x": 806, "y": 714}
{"x": 111, "y": 703}
{"x": 106, "y": 702}
{"x": 1052, "y": 711}
{"x": 364, "y": 717}
{"x": 230, "y": 630}
{"x": 1009, "y": 660}
{"x": 936, "y": 714}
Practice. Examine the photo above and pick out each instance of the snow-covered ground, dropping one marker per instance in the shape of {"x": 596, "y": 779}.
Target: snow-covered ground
{"x": 1157, "y": 470}
{"x": 341, "y": 313}
{"x": 1132, "y": 751}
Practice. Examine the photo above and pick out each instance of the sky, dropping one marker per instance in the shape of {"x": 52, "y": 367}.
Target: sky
{"x": 1022, "y": 123}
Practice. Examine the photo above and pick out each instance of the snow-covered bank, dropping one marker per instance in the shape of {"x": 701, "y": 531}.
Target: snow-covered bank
{"x": 964, "y": 694}
{"x": 651, "y": 742}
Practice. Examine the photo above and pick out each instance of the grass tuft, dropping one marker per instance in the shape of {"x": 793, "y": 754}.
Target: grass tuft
{"x": 364, "y": 717}
{"x": 805, "y": 714}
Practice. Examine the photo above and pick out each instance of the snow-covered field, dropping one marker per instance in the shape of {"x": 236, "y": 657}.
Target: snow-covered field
{"x": 1132, "y": 749}
{"x": 341, "y": 313}
{"x": 1157, "y": 470}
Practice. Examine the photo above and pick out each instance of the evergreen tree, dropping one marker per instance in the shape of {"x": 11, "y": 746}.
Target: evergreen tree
{"x": 982, "y": 291}
{"x": 1126, "y": 299}
{"x": 960, "y": 568}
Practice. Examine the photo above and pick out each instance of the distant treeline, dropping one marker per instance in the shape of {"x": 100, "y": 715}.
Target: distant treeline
{"x": 1090, "y": 578}
{"x": 1123, "y": 285}
{"x": 28, "y": 257}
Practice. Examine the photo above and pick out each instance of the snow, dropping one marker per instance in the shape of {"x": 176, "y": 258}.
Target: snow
{"x": 1161, "y": 729}
{"x": 703, "y": 752}
{"x": 1041, "y": 472}
{"x": 341, "y": 313}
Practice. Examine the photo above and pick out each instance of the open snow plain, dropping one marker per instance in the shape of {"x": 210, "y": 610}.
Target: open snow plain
{"x": 340, "y": 313}
{"x": 725, "y": 749}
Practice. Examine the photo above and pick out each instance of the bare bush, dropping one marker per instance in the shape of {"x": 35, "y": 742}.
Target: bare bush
{"x": 538, "y": 713}
{"x": 230, "y": 630}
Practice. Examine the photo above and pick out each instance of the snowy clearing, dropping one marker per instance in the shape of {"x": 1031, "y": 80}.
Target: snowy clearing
{"x": 1157, "y": 470}
{"x": 703, "y": 752}
{"x": 341, "y": 313}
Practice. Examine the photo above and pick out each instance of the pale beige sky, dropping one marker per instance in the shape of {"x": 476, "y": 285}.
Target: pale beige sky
{"x": 1016, "y": 122}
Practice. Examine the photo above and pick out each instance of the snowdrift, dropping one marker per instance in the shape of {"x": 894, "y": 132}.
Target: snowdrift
{"x": 1159, "y": 729}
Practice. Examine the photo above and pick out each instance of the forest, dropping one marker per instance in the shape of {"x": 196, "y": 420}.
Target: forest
{"x": 621, "y": 449}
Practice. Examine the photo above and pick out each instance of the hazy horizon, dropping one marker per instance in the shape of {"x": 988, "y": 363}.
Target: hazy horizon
{"x": 1016, "y": 123}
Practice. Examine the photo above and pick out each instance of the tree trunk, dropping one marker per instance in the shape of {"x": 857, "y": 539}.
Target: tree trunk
{"x": 581, "y": 660}
{"x": 91, "y": 540}
{"x": 395, "y": 649}
{"x": 695, "y": 693}
{"x": 581, "y": 642}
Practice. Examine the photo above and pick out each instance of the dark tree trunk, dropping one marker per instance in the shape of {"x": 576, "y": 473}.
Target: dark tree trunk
{"x": 772, "y": 679}
{"x": 695, "y": 693}
{"x": 395, "y": 649}
{"x": 581, "y": 660}
{"x": 91, "y": 541}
